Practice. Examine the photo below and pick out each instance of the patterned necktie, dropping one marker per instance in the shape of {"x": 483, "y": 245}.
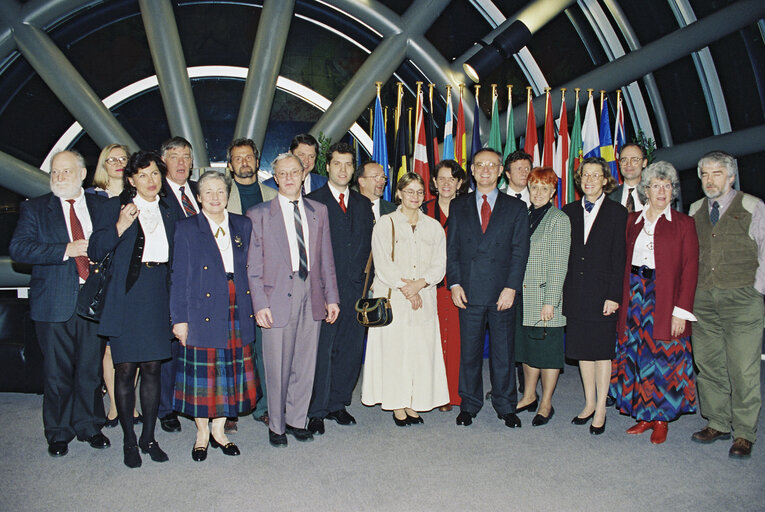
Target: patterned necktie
{"x": 188, "y": 207}
{"x": 588, "y": 205}
{"x": 485, "y": 214}
{"x": 303, "y": 268}
{"x": 714, "y": 215}
{"x": 342, "y": 203}
{"x": 83, "y": 268}
{"x": 630, "y": 200}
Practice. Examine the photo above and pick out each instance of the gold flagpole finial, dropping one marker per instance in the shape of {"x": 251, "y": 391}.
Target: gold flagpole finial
{"x": 379, "y": 86}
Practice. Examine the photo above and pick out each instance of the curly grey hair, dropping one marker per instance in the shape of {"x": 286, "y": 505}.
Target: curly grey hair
{"x": 719, "y": 157}
{"x": 215, "y": 175}
{"x": 660, "y": 170}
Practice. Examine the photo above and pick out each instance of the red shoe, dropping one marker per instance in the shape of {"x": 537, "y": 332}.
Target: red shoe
{"x": 640, "y": 427}
{"x": 659, "y": 432}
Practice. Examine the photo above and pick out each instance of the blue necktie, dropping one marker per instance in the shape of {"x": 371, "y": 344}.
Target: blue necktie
{"x": 588, "y": 205}
{"x": 714, "y": 215}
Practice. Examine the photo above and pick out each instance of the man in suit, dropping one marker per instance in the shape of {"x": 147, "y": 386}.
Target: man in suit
{"x": 370, "y": 177}
{"x": 306, "y": 148}
{"x": 243, "y": 164}
{"x": 487, "y": 248}
{"x": 52, "y": 235}
{"x": 517, "y": 170}
{"x": 181, "y": 196}
{"x": 632, "y": 161}
{"x": 727, "y": 340}
{"x": 341, "y": 344}
{"x": 293, "y": 285}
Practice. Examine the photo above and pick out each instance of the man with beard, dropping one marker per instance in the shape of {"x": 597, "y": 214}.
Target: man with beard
{"x": 243, "y": 163}
{"x": 371, "y": 180}
{"x": 727, "y": 340}
{"x": 632, "y": 161}
{"x": 52, "y": 235}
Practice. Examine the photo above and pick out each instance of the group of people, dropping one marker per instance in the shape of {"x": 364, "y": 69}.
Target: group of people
{"x": 230, "y": 296}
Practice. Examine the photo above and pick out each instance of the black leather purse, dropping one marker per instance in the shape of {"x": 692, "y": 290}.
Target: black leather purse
{"x": 375, "y": 312}
{"x": 90, "y": 301}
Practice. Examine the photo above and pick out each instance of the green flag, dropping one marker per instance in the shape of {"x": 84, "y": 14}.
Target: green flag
{"x": 510, "y": 139}
{"x": 495, "y": 140}
{"x": 574, "y": 154}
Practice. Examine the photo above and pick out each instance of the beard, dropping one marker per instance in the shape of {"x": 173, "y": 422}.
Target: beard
{"x": 245, "y": 171}
{"x": 713, "y": 194}
{"x": 65, "y": 190}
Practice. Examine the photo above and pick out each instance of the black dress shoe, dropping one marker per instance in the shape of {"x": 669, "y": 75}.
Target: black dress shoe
{"x": 582, "y": 421}
{"x": 596, "y": 431}
{"x": 227, "y": 449}
{"x": 465, "y": 418}
{"x": 400, "y": 423}
{"x": 316, "y": 426}
{"x": 277, "y": 440}
{"x": 540, "y": 420}
{"x": 414, "y": 420}
{"x": 112, "y": 423}
{"x": 299, "y": 434}
{"x": 342, "y": 417}
{"x": 530, "y": 407}
{"x": 132, "y": 458}
{"x": 58, "y": 448}
{"x": 198, "y": 454}
{"x": 510, "y": 419}
{"x": 154, "y": 451}
{"x": 98, "y": 441}
{"x": 170, "y": 423}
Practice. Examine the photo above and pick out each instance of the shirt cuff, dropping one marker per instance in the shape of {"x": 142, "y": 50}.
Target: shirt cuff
{"x": 683, "y": 314}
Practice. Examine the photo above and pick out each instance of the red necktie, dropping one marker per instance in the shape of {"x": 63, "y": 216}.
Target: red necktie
{"x": 485, "y": 214}
{"x": 188, "y": 207}
{"x": 342, "y": 203}
{"x": 83, "y": 268}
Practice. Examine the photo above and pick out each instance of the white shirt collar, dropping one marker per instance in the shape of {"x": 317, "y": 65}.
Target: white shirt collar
{"x": 667, "y": 213}
{"x": 336, "y": 193}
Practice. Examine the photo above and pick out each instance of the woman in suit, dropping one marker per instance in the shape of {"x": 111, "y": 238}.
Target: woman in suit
{"x": 212, "y": 317}
{"x": 404, "y": 367}
{"x": 593, "y": 287}
{"x": 448, "y": 183}
{"x": 539, "y": 328}
{"x": 652, "y": 377}
{"x": 136, "y": 228}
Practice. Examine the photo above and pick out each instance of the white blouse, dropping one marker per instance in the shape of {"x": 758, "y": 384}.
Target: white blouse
{"x": 156, "y": 247}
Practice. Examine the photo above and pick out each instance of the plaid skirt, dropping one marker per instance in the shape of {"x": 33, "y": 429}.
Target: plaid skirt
{"x": 218, "y": 382}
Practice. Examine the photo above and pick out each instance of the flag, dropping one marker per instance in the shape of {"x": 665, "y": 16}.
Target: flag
{"x": 510, "y": 129}
{"x": 476, "y": 143}
{"x": 548, "y": 151}
{"x": 432, "y": 149}
{"x": 619, "y": 137}
{"x": 606, "y": 143}
{"x": 380, "y": 144}
{"x": 560, "y": 163}
{"x": 460, "y": 148}
{"x": 575, "y": 154}
{"x": 495, "y": 137}
{"x": 530, "y": 145}
{"x": 448, "y": 130}
{"x": 420, "y": 141}
{"x": 590, "y": 137}
{"x": 400, "y": 147}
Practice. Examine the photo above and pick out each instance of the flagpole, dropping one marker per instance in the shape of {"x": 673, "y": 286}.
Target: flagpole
{"x": 547, "y": 93}
{"x": 385, "y": 118}
{"x": 528, "y": 99}
{"x": 430, "y": 96}
{"x": 417, "y": 113}
{"x": 399, "y": 91}
{"x": 589, "y": 93}
{"x": 602, "y": 94}
{"x": 409, "y": 124}
{"x": 371, "y": 122}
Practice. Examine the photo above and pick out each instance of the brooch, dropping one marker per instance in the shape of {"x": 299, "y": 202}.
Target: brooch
{"x": 238, "y": 241}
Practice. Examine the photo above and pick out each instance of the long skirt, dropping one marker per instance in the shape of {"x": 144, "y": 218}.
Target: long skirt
{"x": 449, "y": 323}
{"x": 217, "y": 382}
{"x": 651, "y": 379}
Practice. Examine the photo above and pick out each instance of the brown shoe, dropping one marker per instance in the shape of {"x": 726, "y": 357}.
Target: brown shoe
{"x": 741, "y": 449}
{"x": 709, "y": 435}
{"x": 445, "y": 408}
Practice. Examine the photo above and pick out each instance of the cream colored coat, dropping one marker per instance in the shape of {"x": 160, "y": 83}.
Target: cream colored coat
{"x": 404, "y": 364}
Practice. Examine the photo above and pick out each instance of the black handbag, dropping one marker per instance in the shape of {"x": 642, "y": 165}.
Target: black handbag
{"x": 375, "y": 312}
{"x": 90, "y": 301}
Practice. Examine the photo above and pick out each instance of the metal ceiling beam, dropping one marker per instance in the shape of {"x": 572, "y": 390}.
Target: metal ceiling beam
{"x": 22, "y": 178}
{"x": 739, "y": 143}
{"x": 266, "y": 59}
{"x": 174, "y": 84}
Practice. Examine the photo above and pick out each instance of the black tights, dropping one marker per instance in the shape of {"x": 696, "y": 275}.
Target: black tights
{"x": 124, "y": 396}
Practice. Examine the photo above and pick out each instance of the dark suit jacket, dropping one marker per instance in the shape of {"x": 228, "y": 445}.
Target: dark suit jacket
{"x": 124, "y": 257}
{"x": 596, "y": 270}
{"x": 485, "y": 263}
{"x": 173, "y": 202}
{"x": 676, "y": 255}
{"x": 40, "y": 240}
{"x": 270, "y": 266}
{"x": 199, "y": 287}
{"x": 317, "y": 181}
{"x": 351, "y": 235}
{"x": 386, "y": 207}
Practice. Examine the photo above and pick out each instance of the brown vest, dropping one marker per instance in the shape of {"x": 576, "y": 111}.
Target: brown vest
{"x": 727, "y": 254}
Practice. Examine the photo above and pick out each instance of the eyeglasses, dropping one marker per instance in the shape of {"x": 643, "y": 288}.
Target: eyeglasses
{"x": 588, "y": 176}
{"x": 634, "y": 160}
{"x": 112, "y": 160}
{"x": 486, "y": 165}
{"x": 378, "y": 177}
{"x": 413, "y": 193}
{"x": 661, "y": 186}
{"x": 294, "y": 174}
{"x": 535, "y": 330}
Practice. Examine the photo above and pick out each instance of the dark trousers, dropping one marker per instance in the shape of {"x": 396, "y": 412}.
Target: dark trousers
{"x": 72, "y": 371}
{"x": 473, "y": 320}
{"x": 338, "y": 361}
{"x": 168, "y": 381}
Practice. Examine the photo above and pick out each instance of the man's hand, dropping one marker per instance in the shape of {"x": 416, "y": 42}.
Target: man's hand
{"x": 458, "y": 297}
{"x": 76, "y": 248}
{"x": 506, "y": 299}
{"x": 332, "y": 311}
{"x": 264, "y": 319}
{"x": 678, "y": 326}
{"x": 610, "y": 307}
{"x": 181, "y": 332}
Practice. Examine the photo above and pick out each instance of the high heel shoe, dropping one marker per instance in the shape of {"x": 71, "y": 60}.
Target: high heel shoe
{"x": 540, "y": 420}
{"x": 401, "y": 423}
{"x": 414, "y": 420}
{"x": 531, "y": 407}
{"x": 198, "y": 454}
{"x": 582, "y": 421}
{"x": 228, "y": 449}
{"x": 112, "y": 423}
{"x": 596, "y": 431}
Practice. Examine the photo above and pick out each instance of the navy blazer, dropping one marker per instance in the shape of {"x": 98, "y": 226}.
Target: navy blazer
{"x": 104, "y": 240}
{"x": 485, "y": 263}
{"x": 173, "y": 202}
{"x": 199, "y": 288}
{"x": 317, "y": 181}
{"x": 351, "y": 235}
{"x": 40, "y": 239}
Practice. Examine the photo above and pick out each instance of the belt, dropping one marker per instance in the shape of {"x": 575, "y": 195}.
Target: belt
{"x": 151, "y": 264}
{"x": 642, "y": 271}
